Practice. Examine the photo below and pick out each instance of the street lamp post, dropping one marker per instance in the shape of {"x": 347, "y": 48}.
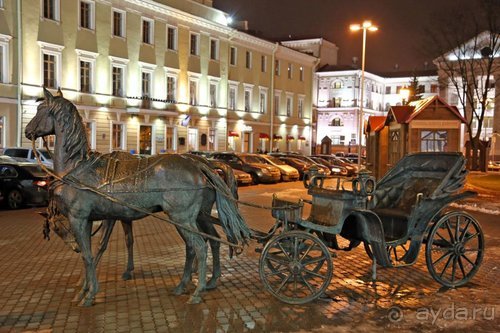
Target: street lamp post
{"x": 366, "y": 25}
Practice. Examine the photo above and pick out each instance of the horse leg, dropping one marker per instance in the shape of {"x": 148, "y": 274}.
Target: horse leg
{"x": 209, "y": 228}
{"x": 188, "y": 264}
{"x": 82, "y": 229}
{"x": 103, "y": 243}
{"x": 200, "y": 248}
{"x": 129, "y": 240}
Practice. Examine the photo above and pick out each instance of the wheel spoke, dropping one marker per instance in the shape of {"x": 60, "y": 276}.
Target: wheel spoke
{"x": 439, "y": 235}
{"x": 295, "y": 248}
{"x": 457, "y": 227}
{"x": 313, "y": 261}
{"x": 454, "y": 268}
{"x": 440, "y": 249}
{"x": 276, "y": 272}
{"x": 473, "y": 250}
{"x": 464, "y": 231}
{"x": 314, "y": 274}
{"x": 283, "y": 282}
{"x": 470, "y": 262}
{"x": 284, "y": 252}
{"x": 307, "y": 283}
{"x": 278, "y": 260}
{"x": 470, "y": 237}
{"x": 307, "y": 251}
{"x": 461, "y": 266}
{"x": 447, "y": 254}
{"x": 445, "y": 266}
{"x": 448, "y": 227}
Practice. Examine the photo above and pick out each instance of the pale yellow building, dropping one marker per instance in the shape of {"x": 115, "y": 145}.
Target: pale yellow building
{"x": 153, "y": 76}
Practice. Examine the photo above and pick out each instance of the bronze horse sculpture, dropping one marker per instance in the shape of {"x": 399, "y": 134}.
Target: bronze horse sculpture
{"x": 89, "y": 191}
{"x": 57, "y": 222}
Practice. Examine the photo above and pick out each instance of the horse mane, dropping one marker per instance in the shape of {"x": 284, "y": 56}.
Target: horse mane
{"x": 68, "y": 118}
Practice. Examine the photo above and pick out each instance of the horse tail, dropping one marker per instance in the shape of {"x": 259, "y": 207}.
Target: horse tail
{"x": 231, "y": 220}
{"x": 229, "y": 177}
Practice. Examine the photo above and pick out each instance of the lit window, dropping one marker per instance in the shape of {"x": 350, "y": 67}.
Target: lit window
{"x": 171, "y": 38}
{"x": 232, "y": 98}
{"x": 214, "y": 49}
{"x": 248, "y": 59}
{"x": 49, "y": 70}
{"x": 194, "y": 47}
{"x": 117, "y": 80}
{"x": 85, "y": 76}
{"x": 4, "y": 58}
{"x": 50, "y": 9}
{"x": 301, "y": 73}
{"x": 117, "y": 137}
{"x": 86, "y": 14}
{"x": 232, "y": 56}
{"x": 300, "y": 108}
{"x": 263, "y": 101}
{"x": 193, "y": 91}
{"x": 289, "y": 70}
{"x": 289, "y": 106}
{"x": 171, "y": 89}
{"x": 248, "y": 100}
{"x": 147, "y": 31}
{"x": 433, "y": 141}
{"x": 118, "y": 23}
{"x": 213, "y": 94}
{"x": 434, "y": 88}
{"x": 337, "y": 122}
{"x": 146, "y": 83}
{"x": 277, "y": 104}
{"x": 338, "y": 85}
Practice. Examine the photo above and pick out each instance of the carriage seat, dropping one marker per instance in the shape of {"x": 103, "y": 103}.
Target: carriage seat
{"x": 396, "y": 204}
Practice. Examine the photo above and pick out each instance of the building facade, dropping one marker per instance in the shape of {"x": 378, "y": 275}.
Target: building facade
{"x": 153, "y": 76}
{"x": 337, "y": 101}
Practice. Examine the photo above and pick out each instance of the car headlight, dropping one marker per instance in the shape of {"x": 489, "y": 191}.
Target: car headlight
{"x": 265, "y": 171}
{"x": 335, "y": 169}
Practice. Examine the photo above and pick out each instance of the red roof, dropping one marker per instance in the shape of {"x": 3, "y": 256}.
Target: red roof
{"x": 402, "y": 113}
{"x": 375, "y": 123}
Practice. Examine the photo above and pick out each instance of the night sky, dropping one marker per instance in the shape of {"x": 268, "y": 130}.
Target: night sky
{"x": 401, "y": 26}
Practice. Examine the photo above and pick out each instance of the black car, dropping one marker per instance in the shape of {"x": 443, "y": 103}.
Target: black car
{"x": 335, "y": 168}
{"x": 22, "y": 183}
{"x": 352, "y": 168}
{"x": 303, "y": 158}
{"x": 250, "y": 163}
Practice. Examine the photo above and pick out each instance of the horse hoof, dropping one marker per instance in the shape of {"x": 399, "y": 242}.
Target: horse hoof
{"x": 79, "y": 297}
{"x": 86, "y": 302}
{"x": 127, "y": 276}
{"x": 179, "y": 290}
{"x": 194, "y": 300}
{"x": 212, "y": 284}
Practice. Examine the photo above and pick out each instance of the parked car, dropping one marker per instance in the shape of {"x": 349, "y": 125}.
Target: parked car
{"x": 288, "y": 173}
{"x": 22, "y": 183}
{"x": 250, "y": 163}
{"x": 28, "y": 154}
{"x": 353, "y": 157}
{"x": 326, "y": 169}
{"x": 301, "y": 166}
{"x": 352, "y": 168}
{"x": 494, "y": 165}
{"x": 335, "y": 168}
{"x": 242, "y": 177}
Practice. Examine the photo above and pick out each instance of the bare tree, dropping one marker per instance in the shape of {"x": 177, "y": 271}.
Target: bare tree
{"x": 467, "y": 44}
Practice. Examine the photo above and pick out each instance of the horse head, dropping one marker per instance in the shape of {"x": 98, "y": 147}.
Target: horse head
{"x": 60, "y": 224}
{"x": 43, "y": 123}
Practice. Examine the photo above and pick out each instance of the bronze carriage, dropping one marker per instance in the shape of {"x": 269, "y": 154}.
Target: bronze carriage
{"x": 393, "y": 217}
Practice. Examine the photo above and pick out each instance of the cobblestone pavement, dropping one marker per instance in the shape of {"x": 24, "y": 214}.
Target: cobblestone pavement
{"x": 38, "y": 281}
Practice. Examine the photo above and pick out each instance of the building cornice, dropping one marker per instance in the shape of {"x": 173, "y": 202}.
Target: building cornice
{"x": 284, "y": 52}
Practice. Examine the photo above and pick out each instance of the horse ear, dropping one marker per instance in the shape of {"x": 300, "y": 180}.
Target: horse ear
{"x": 59, "y": 92}
{"x": 48, "y": 95}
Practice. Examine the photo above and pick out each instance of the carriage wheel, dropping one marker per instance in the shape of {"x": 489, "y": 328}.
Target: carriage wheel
{"x": 454, "y": 249}
{"x": 296, "y": 267}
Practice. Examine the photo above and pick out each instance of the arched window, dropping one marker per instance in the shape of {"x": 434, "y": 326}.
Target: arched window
{"x": 337, "y": 84}
{"x": 337, "y": 122}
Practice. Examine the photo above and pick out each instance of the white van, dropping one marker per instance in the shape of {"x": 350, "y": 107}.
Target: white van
{"x": 28, "y": 154}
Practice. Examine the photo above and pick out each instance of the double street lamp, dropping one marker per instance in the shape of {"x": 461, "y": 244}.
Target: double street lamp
{"x": 365, "y": 26}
